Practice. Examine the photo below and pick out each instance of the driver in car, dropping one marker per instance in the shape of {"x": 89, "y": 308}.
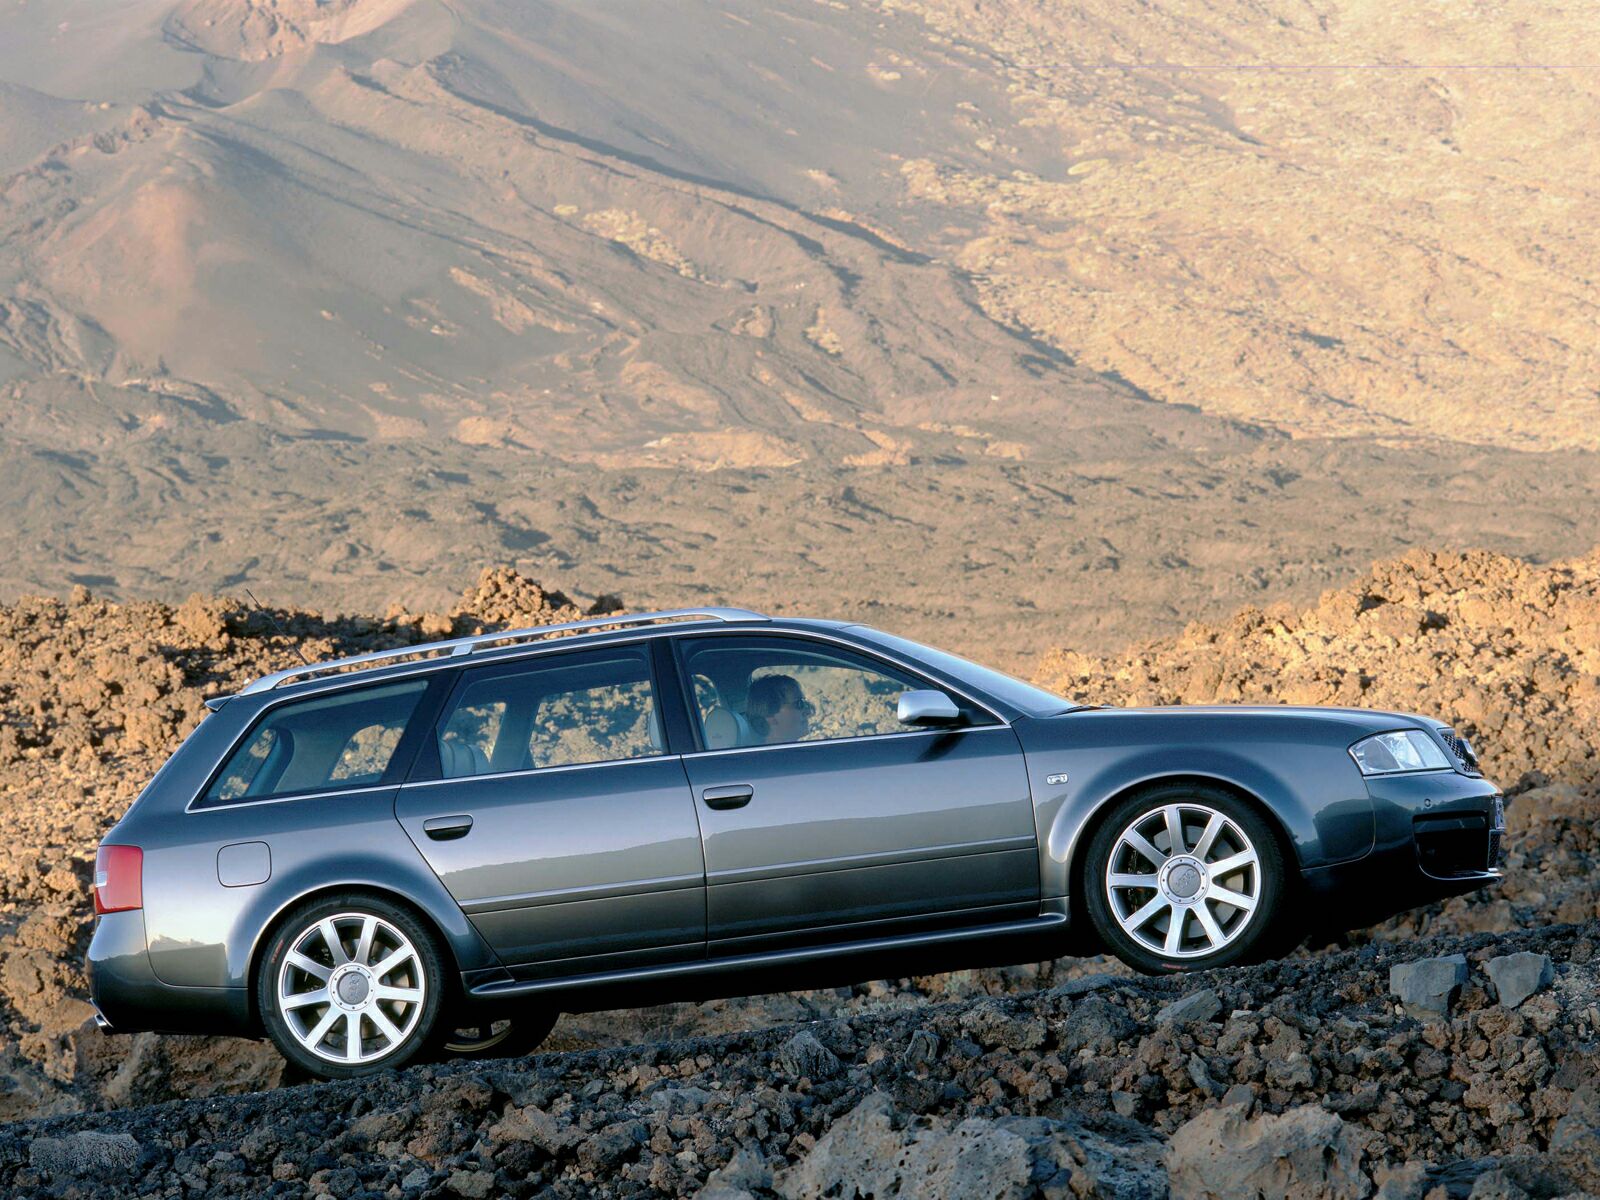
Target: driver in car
{"x": 778, "y": 710}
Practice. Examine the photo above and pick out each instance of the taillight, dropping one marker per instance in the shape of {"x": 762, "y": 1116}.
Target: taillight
{"x": 118, "y": 879}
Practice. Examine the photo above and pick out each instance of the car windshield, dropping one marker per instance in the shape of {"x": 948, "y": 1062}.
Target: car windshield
{"x": 1024, "y": 697}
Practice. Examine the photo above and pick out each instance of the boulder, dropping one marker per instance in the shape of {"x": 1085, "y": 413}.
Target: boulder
{"x": 1428, "y": 987}
{"x": 1307, "y": 1153}
{"x": 803, "y": 1057}
{"x": 1196, "y": 1006}
{"x": 1518, "y": 976}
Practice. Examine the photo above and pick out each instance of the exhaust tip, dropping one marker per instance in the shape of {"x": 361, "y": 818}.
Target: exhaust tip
{"x": 100, "y": 1022}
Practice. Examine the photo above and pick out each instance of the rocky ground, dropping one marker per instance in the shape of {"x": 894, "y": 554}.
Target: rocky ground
{"x": 1302, "y": 1078}
{"x": 1060, "y": 1077}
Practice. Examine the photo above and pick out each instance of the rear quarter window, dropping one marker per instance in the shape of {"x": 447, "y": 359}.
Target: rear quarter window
{"x": 348, "y": 739}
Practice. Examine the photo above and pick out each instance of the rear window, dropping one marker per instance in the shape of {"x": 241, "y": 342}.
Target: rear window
{"x": 325, "y": 742}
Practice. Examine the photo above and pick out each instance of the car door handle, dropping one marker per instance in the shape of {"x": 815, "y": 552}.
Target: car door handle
{"x": 443, "y": 829}
{"x": 733, "y": 795}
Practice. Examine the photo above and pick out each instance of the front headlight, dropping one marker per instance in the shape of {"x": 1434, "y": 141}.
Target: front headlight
{"x": 1405, "y": 750}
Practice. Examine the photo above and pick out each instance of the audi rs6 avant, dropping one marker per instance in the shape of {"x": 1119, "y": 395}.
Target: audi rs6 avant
{"x": 435, "y": 850}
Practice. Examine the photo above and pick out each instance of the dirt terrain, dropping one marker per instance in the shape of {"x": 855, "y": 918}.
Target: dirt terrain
{"x": 93, "y": 693}
{"x": 1106, "y": 317}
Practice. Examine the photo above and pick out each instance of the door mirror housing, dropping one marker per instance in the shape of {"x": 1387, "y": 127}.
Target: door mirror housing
{"x": 928, "y": 707}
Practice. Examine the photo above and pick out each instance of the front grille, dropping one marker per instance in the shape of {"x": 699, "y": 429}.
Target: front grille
{"x": 1461, "y": 750}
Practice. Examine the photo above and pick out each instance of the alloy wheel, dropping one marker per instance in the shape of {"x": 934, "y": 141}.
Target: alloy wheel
{"x": 351, "y": 988}
{"x": 1183, "y": 880}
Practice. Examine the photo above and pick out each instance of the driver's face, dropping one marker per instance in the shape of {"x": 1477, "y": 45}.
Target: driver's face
{"x": 790, "y": 723}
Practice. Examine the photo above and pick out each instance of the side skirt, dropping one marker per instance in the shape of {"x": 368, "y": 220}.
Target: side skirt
{"x": 1031, "y": 940}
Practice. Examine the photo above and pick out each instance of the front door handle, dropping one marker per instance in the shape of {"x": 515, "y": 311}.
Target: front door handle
{"x": 443, "y": 829}
{"x": 732, "y": 795}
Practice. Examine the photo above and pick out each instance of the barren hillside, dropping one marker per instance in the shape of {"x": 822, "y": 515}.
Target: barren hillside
{"x": 1108, "y": 315}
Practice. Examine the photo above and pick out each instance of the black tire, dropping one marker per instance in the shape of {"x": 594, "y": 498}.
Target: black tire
{"x": 505, "y": 1037}
{"x": 1235, "y": 934}
{"x": 395, "y": 929}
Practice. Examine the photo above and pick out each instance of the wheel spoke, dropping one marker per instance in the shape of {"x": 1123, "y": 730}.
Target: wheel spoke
{"x": 383, "y": 967}
{"x": 1137, "y": 919}
{"x": 352, "y": 1037}
{"x": 387, "y": 1028}
{"x": 310, "y": 966}
{"x": 1234, "y": 862}
{"x": 317, "y": 1032}
{"x": 305, "y": 999}
{"x": 1175, "y": 842}
{"x": 405, "y": 995}
{"x": 1180, "y": 917}
{"x": 1213, "y": 827}
{"x": 1228, "y": 896}
{"x": 1131, "y": 881}
{"x": 1141, "y": 845}
{"x": 1208, "y": 922}
{"x": 369, "y": 926}
{"x": 330, "y": 935}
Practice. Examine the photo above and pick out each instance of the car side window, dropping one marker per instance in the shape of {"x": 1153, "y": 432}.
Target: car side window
{"x": 347, "y": 739}
{"x": 555, "y": 711}
{"x": 754, "y": 691}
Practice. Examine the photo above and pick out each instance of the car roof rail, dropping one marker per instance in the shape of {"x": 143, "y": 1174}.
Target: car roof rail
{"x": 456, "y": 647}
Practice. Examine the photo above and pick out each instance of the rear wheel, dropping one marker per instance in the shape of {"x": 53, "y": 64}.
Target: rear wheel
{"x": 1183, "y": 878}
{"x": 350, "y": 985}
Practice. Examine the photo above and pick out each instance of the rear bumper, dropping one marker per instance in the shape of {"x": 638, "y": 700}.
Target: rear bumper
{"x": 128, "y": 998}
{"x": 1437, "y": 834}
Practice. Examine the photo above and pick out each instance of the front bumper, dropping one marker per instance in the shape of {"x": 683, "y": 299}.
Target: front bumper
{"x": 1436, "y": 834}
{"x": 128, "y": 998}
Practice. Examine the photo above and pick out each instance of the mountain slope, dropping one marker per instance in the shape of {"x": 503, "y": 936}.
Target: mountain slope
{"x": 948, "y": 309}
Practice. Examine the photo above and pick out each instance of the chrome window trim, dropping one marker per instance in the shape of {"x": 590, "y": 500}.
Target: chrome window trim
{"x": 837, "y": 741}
{"x": 194, "y": 806}
{"x": 585, "y": 766}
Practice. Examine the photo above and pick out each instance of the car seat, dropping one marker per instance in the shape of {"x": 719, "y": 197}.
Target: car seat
{"x": 725, "y": 728}
{"x": 458, "y": 758}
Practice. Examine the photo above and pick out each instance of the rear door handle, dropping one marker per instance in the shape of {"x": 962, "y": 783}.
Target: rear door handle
{"x": 443, "y": 829}
{"x": 732, "y": 795}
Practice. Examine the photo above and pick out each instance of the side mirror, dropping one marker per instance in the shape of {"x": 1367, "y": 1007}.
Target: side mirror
{"x": 928, "y": 707}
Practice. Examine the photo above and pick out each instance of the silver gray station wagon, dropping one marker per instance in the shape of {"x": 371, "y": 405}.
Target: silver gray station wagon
{"x": 435, "y": 850}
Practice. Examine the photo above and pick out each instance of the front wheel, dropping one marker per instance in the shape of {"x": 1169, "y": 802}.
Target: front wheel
{"x": 1183, "y": 878}
{"x": 350, "y": 985}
